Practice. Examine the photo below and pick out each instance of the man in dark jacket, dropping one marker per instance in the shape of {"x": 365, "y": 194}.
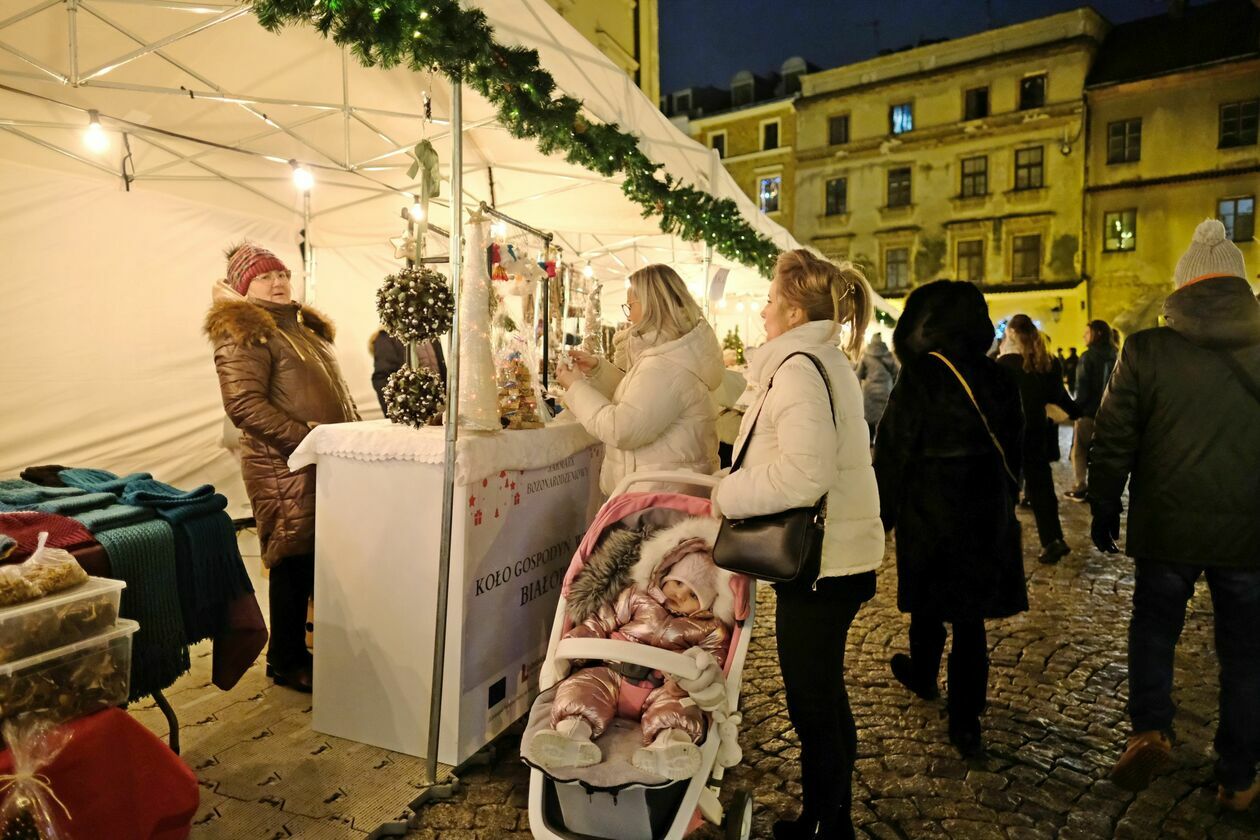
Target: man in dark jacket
{"x": 1092, "y": 376}
{"x": 1180, "y": 422}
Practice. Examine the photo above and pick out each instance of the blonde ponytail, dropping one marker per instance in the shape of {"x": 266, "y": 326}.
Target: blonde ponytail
{"x": 827, "y": 292}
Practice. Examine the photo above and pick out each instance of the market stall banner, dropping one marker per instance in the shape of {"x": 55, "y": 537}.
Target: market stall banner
{"x": 522, "y": 528}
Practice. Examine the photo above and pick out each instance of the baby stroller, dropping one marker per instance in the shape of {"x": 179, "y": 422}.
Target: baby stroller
{"x": 614, "y": 799}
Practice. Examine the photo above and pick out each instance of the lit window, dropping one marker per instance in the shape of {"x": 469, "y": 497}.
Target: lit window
{"x": 901, "y": 118}
{"x": 1026, "y": 257}
{"x": 837, "y": 196}
{"x": 899, "y": 187}
{"x": 768, "y": 193}
{"x": 1124, "y": 141}
{"x": 770, "y": 135}
{"x": 718, "y": 143}
{"x": 1120, "y": 230}
{"x": 1030, "y": 173}
{"x": 975, "y": 176}
{"x": 1239, "y": 217}
{"x": 1032, "y": 92}
{"x": 976, "y": 104}
{"x": 1238, "y": 123}
{"x": 838, "y": 130}
{"x": 971, "y": 260}
{"x": 896, "y": 268}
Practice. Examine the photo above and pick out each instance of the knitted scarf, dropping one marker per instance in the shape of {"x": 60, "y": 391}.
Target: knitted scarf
{"x": 24, "y": 528}
{"x": 210, "y": 571}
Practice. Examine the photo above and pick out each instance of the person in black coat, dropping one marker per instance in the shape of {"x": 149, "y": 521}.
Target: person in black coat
{"x": 1040, "y": 384}
{"x": 1180, "y": 424}
{"x": 948, "y": 483}
{"x": 1092, "y": 376}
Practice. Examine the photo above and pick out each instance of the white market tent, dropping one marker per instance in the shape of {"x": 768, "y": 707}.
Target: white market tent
{"x": 109, "y": 256}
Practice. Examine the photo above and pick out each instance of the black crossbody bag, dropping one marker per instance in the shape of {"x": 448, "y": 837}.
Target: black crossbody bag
{"x": 784, "y": 547}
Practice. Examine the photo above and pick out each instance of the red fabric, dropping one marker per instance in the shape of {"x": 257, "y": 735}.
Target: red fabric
{"x": 120, "y": 782}
{"x": 25, "y": 527}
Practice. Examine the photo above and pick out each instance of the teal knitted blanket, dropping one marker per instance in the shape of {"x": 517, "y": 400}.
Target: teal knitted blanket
{"x": 143, "y": 555}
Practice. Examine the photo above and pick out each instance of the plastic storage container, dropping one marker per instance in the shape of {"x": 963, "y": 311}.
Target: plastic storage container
{"x": 60, "y": 619}
{"x": 71, "y": 680}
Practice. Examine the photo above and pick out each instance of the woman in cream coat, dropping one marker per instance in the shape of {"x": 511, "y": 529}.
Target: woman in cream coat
{"x": 653, "y": 406}
{"x": 795, "y": 455}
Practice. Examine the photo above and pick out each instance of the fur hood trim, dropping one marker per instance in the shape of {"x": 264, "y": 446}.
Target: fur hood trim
{"x": 653, "y": 563}
{"x": 605, "y": 574}
{"x": 234, "y": 318}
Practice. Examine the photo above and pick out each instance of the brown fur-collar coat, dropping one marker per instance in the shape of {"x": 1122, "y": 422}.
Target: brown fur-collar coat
{"x": 278, "y": 375}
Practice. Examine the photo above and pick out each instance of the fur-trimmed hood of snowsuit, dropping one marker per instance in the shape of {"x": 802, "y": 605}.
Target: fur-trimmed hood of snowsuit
{"x": 628, "y": 556}
{"x": 278, "y": 373}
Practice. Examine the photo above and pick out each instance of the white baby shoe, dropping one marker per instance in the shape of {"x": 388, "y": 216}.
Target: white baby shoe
{"x": 671, "y": 755}
{"x": 568, "y": 745}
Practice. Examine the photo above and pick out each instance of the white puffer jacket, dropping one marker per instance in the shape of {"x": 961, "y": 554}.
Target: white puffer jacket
{"x": 795, "y": 454}
{"x": 659, "y": 415}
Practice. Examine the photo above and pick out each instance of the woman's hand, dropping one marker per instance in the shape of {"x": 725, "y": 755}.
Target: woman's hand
{"x": 585, "y": 361}
{"x": 566, "y": 376}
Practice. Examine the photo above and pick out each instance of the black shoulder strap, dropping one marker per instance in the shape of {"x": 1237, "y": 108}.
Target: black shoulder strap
{"x": 1240, "y": 372}
{"x": 739, "y": 457}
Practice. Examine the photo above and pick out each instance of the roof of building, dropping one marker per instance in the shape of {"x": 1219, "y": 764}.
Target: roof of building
{"x": 1166, "y": 43}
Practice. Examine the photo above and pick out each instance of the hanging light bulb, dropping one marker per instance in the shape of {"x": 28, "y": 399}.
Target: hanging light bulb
{"x": 588, "y": 271}
{"x": 722, "y": 303}
{"x": 498, "y": 230}
{"x": 739, "y": 307}
{"x": 416, "y": 211}
{"x": 95, "y": 137}
{"x": 302, "y": 177}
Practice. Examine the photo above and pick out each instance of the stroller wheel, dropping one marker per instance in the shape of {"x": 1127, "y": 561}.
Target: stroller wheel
{"x": 739, "y": 816}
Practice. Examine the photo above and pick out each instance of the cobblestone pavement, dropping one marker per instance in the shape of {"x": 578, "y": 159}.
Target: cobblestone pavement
{"x": 1056, "y": 722}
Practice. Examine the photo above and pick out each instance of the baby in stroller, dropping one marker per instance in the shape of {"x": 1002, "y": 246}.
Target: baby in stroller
{"x": 660, "y": 589}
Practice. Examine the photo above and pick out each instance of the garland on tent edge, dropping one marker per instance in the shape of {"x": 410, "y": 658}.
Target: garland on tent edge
{"x": 439, "y": 34}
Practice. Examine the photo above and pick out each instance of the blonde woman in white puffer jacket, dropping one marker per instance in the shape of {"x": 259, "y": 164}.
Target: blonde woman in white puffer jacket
{"x": 796, "y": 452}
{"x": 653, "y": 406}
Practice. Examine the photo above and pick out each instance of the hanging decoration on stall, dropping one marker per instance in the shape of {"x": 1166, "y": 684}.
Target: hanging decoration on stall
{"x": 415, "y": 304}
{"x": 414, "y": 396}
{"x": 592, "y": 321}
{"x": 518, "y": 396}
{"x": 478, "y": 389}
{"x": 459, "y": 42}
{"x": 425, "y": 164}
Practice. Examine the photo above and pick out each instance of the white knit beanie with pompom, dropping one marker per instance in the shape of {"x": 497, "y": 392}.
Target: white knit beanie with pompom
{"x": 1210, "y": 254}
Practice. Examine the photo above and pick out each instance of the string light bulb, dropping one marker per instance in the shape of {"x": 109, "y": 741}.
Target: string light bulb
{"x": 498, "y": 230}
{"x": 588, "y": 271}
{"x": 416, "y": 211}
{"x": 302, "y": 177}
{"x": 721, "y": 303}
{"x": 95, "y": 137}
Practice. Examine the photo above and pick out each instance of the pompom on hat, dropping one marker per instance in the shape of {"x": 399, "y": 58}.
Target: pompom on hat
{"x": 1210, "y": 254}
{"x": 246, "y": 261}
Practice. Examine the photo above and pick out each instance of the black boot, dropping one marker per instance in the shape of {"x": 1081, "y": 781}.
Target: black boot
{"x": 903, "y": 669}
{"x": 801, "y": 828}
{"x": 1054, "y": 552}
{"x": 965, "y": 736}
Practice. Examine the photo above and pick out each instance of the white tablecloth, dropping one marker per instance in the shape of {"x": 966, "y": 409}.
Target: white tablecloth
{"x": 477, "y": 454}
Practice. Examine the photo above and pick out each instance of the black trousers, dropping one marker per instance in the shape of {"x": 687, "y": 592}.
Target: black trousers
{"x": 1039, "y": 486}
{"x": 811, "y": 627}
{"x": 291, "y": 584}
{"x": 968, "y": 675}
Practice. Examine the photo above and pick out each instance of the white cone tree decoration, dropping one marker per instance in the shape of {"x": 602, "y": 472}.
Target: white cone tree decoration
{"x": 478, "y": 392}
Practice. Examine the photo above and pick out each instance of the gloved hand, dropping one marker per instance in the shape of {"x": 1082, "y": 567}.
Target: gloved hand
{"x": 1105, "y": 528}
{"x": 709, "y": 689}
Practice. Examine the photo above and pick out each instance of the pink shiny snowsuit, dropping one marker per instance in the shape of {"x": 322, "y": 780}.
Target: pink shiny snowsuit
{"x": 599, "y": 693}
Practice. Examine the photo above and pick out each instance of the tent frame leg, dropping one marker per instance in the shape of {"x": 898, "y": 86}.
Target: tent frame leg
{"x": 172, "y": 721}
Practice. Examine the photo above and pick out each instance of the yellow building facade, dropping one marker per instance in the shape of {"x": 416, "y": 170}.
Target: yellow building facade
{"x": 757, "y": 146}
{"x": 627, "y": 31}
{"x": 1169, "y": 147}
{"x": 962, "y": 160}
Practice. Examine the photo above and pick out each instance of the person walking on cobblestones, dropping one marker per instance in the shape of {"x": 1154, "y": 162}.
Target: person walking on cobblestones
{"x": 946, "y": 456}
{"x": 1092, "y": 376}
{"x": 1040, "y": 384}
{"x": 1180, "y": 423}
{"x": 800, "y": 446}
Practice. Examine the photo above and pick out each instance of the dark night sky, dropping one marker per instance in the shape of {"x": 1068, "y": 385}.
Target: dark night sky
{"x": 708, "y": 41}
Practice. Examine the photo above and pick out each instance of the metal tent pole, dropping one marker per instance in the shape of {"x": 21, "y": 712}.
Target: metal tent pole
{"x": 452, "y": 429}
{"x": 308, "y": 251}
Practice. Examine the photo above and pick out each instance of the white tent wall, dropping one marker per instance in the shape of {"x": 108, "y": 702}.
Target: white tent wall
{"x": 104, "y": 296}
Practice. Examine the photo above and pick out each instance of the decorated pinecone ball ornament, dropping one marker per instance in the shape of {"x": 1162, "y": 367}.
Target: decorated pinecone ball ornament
{"x": 414, "y": 397}
{"x": 415, "y": 304}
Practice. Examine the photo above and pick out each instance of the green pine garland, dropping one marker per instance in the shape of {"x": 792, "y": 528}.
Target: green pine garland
{"x": 458, "y": 42}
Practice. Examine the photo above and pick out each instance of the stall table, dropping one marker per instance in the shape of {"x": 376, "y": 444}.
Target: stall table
{"x": 523, "y": 501}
